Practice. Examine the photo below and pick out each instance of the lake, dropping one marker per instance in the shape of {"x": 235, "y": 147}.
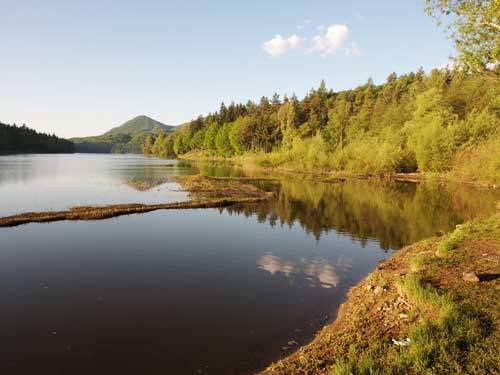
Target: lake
{"x": 209, "y": 291}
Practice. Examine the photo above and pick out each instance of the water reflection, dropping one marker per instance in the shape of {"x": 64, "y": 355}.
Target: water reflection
{"x": 194, "y": 291}
{"x": 313, "y": 272}
{"x": 394, "y": 213}
{"x": 49, "y": 182}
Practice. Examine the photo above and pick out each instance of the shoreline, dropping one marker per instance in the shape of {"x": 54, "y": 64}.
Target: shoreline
{"x": 417, "y": 287}
{"x": 248, "y": 163}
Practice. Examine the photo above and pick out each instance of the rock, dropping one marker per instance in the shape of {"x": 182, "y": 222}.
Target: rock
{"x": 369, "y": 287}
{"x": 403, "y": 342}
{"x": 403, "y": 316}
{"x": 470, "y": 276}
{"x": 378, "y": 290}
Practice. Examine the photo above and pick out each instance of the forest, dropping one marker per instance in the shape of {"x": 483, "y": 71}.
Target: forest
{"x": 15, "y": 139}
{"x": 428, "y": 122}
{"x": 444, "y": 121}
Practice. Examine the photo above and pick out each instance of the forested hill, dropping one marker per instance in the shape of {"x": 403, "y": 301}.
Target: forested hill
{"x": 18, "y": 140}
{"x": 126, "y": 138}
{"x": 428, "y": 122}
{"x": 140, "y": 124}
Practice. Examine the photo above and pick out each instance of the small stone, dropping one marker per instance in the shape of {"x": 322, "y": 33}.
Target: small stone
{"x": 369, "y": 287}
{"x": 470, "y": 276}
{"x": 403, "y": 316}
{"x": 378, "y": 290}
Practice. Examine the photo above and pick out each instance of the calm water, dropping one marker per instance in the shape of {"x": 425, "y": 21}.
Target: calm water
{"x": 191, "y": 292}
{"x": 54, "y": 182}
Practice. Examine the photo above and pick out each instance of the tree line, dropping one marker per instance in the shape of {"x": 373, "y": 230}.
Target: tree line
{"x": 436, "y": 122}
{"x": 14, "y": 139}
{"x": 414, "y": 122}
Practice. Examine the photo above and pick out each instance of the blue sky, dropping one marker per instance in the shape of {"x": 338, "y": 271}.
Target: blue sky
{"x": 78, "y": 68}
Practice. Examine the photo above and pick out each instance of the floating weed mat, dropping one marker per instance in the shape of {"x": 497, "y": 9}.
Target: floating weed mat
{"x": 219, "y": 192}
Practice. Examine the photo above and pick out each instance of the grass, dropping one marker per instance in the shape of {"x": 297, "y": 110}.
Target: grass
{"x": 453, "y": 325}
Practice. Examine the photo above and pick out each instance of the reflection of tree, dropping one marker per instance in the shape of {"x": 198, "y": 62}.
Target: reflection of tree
{"x": 394, "y": 213}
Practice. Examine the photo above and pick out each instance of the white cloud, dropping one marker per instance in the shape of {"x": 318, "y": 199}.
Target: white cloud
{"x": 352, "y": 50}
{"x": 278, "y": 46}
{"x": 328, "y": 41}
{"x": 331, "y": 40}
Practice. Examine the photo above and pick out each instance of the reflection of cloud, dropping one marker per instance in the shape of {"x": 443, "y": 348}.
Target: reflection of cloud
{"x": 317, "y": 271}
{"x": 273, "y": 264}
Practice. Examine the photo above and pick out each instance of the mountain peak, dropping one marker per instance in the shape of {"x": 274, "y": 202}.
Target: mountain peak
{"x": 139, "y": 123}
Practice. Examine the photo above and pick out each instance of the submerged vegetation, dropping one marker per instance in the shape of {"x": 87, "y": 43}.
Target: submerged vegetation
{"x": 17, "y": 140}
{"x": 417, "y": 313}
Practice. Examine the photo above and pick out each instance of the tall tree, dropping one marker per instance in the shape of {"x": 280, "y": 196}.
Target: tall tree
{"x": 475, "y": 28}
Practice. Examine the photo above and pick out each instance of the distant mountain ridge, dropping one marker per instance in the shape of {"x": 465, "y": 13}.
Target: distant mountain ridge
{"x": 140, "y": 124}
{"x": 124, "y": 139}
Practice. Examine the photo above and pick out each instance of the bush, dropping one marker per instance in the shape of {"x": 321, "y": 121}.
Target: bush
{"x": 479, "y": 163}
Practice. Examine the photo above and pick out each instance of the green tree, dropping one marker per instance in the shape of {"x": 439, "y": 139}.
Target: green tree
{"x": 338, "y": 119}
{"x": 475, "y": 29}
{"x": 211, "y": 133}
{"x": 222, "y": 141}
{"x": 431, "y": 132}
{"x": 148, "y": 145}
{"x": 287, "y": 118}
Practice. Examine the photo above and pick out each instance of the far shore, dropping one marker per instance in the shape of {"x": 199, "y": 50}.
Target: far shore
{"x": 249, "y": 163}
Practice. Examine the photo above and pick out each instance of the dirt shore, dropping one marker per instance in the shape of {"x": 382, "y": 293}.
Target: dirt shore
{"x": 416, "y": 313}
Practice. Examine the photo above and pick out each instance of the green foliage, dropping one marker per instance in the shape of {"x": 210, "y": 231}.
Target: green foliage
{"x": 148, "y": 145}
{"x": 223, "y": 145}
{"x": 480, "y": 163}
{"x": 210, "y": 135}
{"x": 475, "y": 27}
{"x": 128, "y": 138}
{"x": 140, "y": 124}
{"x": 413, "y": 123}
{"x": 429, "y": 132}
{"x": 15, "y": 139}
